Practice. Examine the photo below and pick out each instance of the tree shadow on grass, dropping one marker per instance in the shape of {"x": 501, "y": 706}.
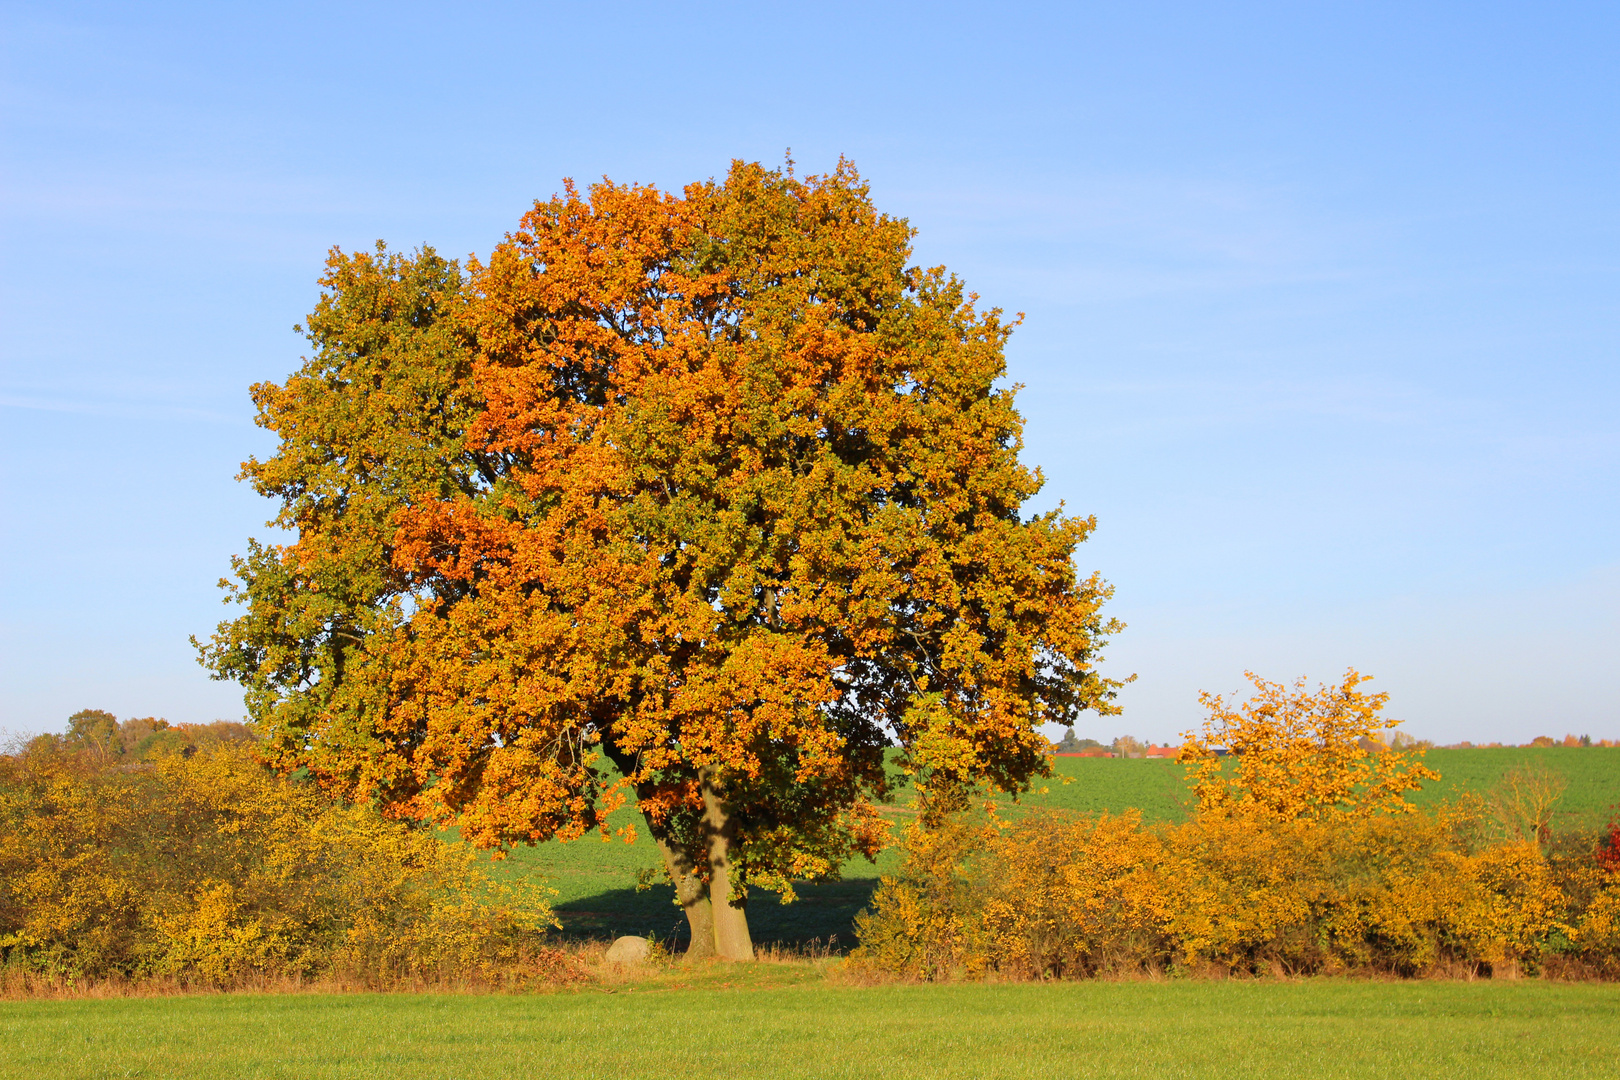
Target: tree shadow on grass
{"x": 823, "y": 914}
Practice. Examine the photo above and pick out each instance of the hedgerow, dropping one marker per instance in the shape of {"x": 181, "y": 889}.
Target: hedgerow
{"x": 207, "y": 867}
{"x": 1301, "y": 857}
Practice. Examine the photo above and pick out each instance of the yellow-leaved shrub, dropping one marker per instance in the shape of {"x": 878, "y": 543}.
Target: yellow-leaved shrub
{"x": 1057, "y": 895}
{"x": 207, "y": 867}
{"x": 1301, "y": 857}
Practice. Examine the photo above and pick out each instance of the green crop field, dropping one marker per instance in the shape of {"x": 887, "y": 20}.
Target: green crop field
{"x": 596, "y": 881}
{"x": 758, "y": 1028}
{"x": 597, "y": 894}
{"x": 1592, "y": 773}
{"x": 1157, "y": 786}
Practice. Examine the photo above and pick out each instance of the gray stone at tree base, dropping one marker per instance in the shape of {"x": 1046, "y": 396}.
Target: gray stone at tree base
{"x": 628, "y": 951}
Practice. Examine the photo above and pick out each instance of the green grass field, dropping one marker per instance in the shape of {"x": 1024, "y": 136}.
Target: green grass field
{"x": 757, "y": 1028}
{"x": 596, "y": 881}
{"x": 1593, "y": 775}
{"x": 1157, "y": 787}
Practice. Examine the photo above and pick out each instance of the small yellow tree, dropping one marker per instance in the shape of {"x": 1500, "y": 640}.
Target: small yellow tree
{"x": 1523, "y": 802}
{"x": 1301, "y": 755}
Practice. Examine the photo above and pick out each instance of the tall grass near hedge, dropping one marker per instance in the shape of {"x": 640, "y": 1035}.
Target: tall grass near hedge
{"x": 207, "y": 868}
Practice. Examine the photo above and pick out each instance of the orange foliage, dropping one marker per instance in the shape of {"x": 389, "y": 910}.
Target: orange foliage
{"x": 717, "y": 486}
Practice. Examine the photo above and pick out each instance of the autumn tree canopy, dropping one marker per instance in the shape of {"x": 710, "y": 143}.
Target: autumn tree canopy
{"x": 714, "y": 485}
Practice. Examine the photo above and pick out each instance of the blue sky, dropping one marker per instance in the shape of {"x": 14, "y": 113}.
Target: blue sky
{"x": 1323, "y": 300}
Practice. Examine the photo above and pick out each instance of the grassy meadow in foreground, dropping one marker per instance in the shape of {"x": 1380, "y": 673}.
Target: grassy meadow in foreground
{"x": 751, "y": 1025}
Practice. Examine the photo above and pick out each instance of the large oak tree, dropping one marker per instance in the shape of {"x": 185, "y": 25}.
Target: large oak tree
{"x": 713, "y": 485}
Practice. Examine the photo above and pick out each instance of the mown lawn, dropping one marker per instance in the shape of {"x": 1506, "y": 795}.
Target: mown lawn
{"x": 596, "y": 881}
{"x": 756, "y": 1029}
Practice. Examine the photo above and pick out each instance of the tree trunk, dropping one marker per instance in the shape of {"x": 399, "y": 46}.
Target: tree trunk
{"x": 731, "y": 940}
{"x": 692, "y": 896}
{"x": 690, "y": 891}
{"x": 719, "y": 927}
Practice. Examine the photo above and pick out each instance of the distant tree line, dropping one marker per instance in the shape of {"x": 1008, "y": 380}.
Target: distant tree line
{"x": 146, "y": 738}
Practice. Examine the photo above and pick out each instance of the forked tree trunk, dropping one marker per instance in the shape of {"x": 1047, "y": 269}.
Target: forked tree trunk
{"x": 719, "y": 927}
{"x": 731, "y": 940}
